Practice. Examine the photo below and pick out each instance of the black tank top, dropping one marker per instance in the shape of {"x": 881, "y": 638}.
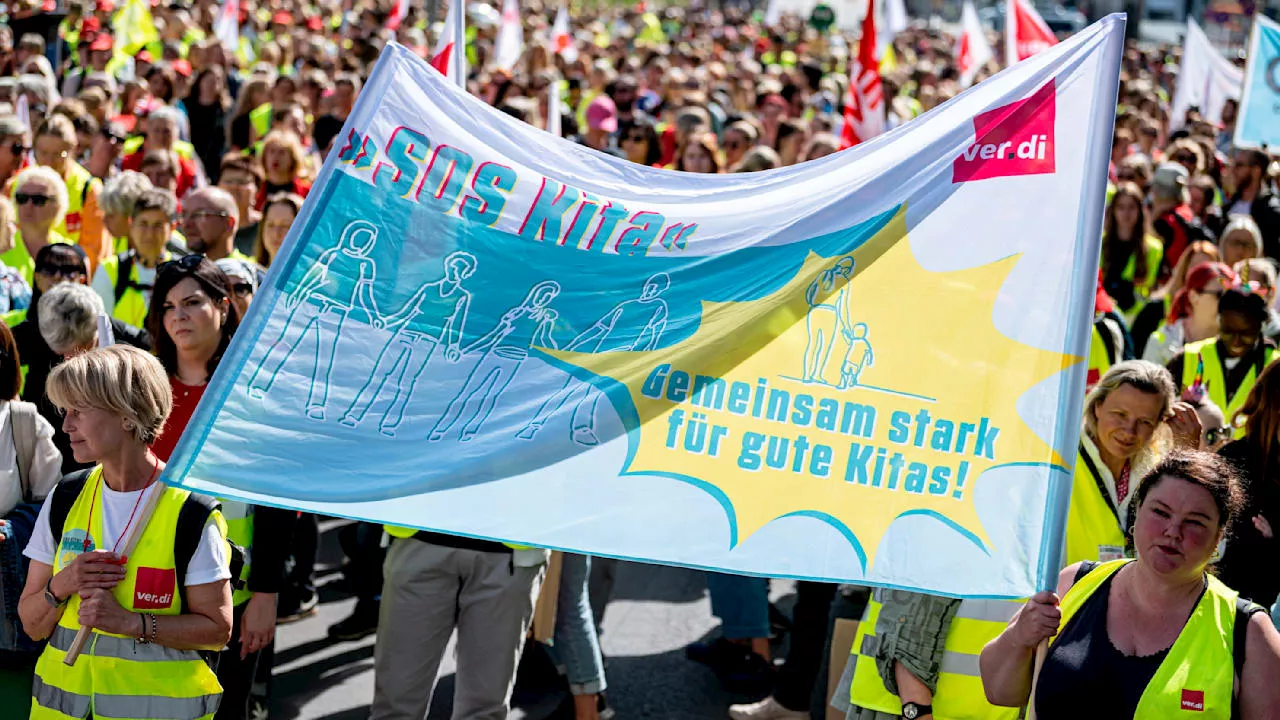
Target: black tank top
{"x": 1084, "y": 675}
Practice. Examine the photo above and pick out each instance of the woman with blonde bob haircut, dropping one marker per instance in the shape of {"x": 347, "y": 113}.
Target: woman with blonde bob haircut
{"x": 1131, "y": 417}
{"x": 152, "y": 612}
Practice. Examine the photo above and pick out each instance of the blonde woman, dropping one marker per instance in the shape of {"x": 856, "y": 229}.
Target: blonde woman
{"x": 152, "y": 614}
{"x": 285, "y": 166}
{"x": 41, "y": 200}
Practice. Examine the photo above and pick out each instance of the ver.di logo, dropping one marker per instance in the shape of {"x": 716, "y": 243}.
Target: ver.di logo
{"x": 1016, "y": 139}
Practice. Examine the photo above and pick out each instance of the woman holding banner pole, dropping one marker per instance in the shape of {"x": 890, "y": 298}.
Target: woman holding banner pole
{"x": 152, "y": 612}
{"x": 1150, "y": 637}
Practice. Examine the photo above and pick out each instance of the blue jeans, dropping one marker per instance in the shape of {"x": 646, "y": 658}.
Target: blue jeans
{"x": 741, "y": 603}
{"x": 577, "y": 647}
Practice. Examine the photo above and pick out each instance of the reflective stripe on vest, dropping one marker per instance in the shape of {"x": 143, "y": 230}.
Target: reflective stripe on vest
{"x": 115, "y": 677}
{"x": 239, "y": 517}
{"x": 1091, "y": 523}
{"x": 1215, "y": 381}
{"x": 960, "y": 695}
{"x": 1198, "y": 674}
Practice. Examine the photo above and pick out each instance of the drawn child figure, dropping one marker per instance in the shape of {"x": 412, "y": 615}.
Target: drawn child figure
{"x": 858, "y": 356}
{"x": 828, "y": 314}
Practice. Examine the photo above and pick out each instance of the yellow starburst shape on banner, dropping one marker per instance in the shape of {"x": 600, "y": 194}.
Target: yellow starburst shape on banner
{"x": 866, "y": 389}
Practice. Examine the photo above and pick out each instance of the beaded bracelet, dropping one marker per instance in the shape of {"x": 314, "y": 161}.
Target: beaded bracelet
{"x": 153, "y": 627}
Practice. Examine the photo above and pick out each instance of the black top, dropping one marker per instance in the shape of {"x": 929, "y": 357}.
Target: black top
{"x": 1085, "y": 675}
{"x": 1247, "y": 566}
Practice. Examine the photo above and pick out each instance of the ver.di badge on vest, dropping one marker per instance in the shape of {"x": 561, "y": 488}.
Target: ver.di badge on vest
{"x": 153, "y": 588}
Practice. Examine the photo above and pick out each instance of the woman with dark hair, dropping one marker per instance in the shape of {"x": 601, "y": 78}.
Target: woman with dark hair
{"x": 207, "y": 107}
{"x": 1251, "y": 542}
{"x": 55, "y": 264}
{"x": 1228, "y": 365}
{"x": 277, "y": 217}
{"x": 699, "y": 154}
{"x": 160, "y": 82}
{"x": 1130, "y": 255}
{"x": 192, "y": 319}
{"x": 641, "y": 143}
{"x": 1145, "y": 637}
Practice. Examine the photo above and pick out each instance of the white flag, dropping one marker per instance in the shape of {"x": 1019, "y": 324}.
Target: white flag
{"x": 1206, "y": 80}
{"x": 972, "y": 51}
{"x": 450, "y": 54}
{"x": 553, "y": 108}
{"x": 894, "y": 20}
{"x": 226, "y": 27}
{"x": 510, "y": 43}
{"x": 561, "y": 37}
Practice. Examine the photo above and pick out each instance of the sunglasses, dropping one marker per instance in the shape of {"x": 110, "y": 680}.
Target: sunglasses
{"x": 18, "y": 149}
{"x": 37, "y": 200}
{"x": 197, "y": 215}
{"x": 184, "y": 264}
{"x": 55, "y": 270}
{"x": 242, "y": 289}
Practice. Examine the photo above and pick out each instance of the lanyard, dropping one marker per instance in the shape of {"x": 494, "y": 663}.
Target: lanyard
{"x": 94, "y": 501}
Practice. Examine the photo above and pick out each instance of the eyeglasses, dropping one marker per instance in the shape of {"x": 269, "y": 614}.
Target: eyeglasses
{"x": 635, "y": 137}
{"x": 184, "y": 264}
{"x": 18, "y": 149}
{"x": 56, "y": 270}
{"x": 1213, "y": 436}
{"x": 195, "y": 215}
{"x": 242, "y": 289}
{"x": 37, "y": 200}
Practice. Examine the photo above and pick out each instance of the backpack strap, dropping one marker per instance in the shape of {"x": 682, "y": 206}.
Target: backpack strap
{"x": 64, "y": 496}
{"x": 1245, "y": 610}
{"x": 22, "y": 418}
{"x": 124, "y": 274}
{"x": 1086, "y": 567}
{"x": 192, "y": 518}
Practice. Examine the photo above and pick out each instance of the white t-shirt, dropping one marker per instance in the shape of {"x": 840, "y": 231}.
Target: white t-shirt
{"x": 46, "y": 465}
{"x": 208, "y": 564}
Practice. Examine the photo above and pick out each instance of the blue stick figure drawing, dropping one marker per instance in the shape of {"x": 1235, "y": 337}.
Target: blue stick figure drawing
{"x": 858, "y": 357}
{"x": 828, "y": 315}
{"x": 635, "y": 324}
{"x": 320, "y": 301}
{"x": 442, "y": 304}
{"x": 505, "y": 348}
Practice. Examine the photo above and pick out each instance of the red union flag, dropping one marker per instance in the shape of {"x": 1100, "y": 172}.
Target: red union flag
{"x": 398, "y": 14}
{"x": 864, "y": 105}
{"x": 451, "y": 64}
{"x": 1025, "y": 32}
{"x": 561, "y": 38}
{"x": 1016, "y": 139}
{"x": 972, "y": 51}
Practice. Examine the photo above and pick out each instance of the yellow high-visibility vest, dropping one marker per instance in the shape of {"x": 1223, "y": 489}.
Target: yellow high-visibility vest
{"x": 1093, "y": 522}
{"x": 1215, "y": 381}
{"x": 960, "y": 695}
{"x": 117, "y": 677}
{"x": 1196, "y": 678}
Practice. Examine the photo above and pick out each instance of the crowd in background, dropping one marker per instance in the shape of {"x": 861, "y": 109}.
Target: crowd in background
{"x": 154, "y": 183}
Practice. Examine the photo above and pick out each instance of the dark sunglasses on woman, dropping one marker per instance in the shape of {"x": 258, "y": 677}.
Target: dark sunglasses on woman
{"x": 37, "y": 200}
{"x": 56, "y": 270}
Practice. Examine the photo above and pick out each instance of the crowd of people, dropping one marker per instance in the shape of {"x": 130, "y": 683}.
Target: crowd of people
{"x": 150, "y": 177}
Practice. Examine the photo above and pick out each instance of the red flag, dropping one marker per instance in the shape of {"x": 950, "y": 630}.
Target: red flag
{"x": 864, "y": 110}
{"x": 440, "y": 60}
{"x": 1025, "y": 32}
{"x": 398, "y": 14}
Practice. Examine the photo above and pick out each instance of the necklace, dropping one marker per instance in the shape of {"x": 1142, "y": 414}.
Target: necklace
{"x": 94, "y": 501}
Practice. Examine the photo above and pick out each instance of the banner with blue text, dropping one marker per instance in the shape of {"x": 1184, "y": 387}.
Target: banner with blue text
{"x": 862, "y": 368}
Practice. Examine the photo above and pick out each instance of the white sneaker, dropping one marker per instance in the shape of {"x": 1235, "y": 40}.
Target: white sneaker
{"x": 766, "y": 709}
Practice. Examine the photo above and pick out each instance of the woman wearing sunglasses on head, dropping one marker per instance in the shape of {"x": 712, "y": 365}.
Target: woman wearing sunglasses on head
{"x": 41, "y": 197}
{"x": 192, "y": 319}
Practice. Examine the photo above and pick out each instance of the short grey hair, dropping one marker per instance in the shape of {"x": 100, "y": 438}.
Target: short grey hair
{"x": 166, "y": 113}
{"x": 53, "y": 179}
{"x": 69, "y": 317}
{"x": 120, "y": 379}
{"x": 121, "y": 192}
{"x": 1246, "y": 224}
{"x": 40, "y": 86}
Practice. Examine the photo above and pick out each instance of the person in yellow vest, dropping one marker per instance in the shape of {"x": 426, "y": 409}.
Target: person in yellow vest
{"x": 1131, "y": 256}
{"x": 82, "y": 224}
{"x": 434, "y": 584}
{"x": 1154, "y": 637}
{"x": 41, "y": 198}
{"x": 1227, "y": 366}
{"x": 1130, "y": 418}
{"x": 124, "y": 281}
{"x": 153, "y": 611}
{"x": 1193, "y": 313}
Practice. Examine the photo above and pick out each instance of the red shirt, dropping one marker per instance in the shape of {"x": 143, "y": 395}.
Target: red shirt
{"x": 185, "y": 400}
{"x": 186, "y": 170}
{"x": 297, "y": 187}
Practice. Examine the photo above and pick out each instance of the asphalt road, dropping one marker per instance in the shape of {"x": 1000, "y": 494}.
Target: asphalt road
{"x": 655, "y": 612}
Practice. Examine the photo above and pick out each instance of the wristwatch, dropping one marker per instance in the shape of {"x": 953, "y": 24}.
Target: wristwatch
{"x": 911, "y": 710}
{"x": 50, "y": 597}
